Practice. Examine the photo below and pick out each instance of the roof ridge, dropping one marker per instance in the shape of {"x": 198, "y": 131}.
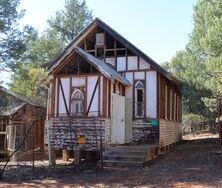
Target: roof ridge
{"x": 21, "y": 97}
{"x": 100, "y": 65}
{"x": 127, "y": 43}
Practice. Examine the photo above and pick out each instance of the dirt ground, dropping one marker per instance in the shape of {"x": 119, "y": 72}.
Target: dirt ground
{"x": 194, "y": 162}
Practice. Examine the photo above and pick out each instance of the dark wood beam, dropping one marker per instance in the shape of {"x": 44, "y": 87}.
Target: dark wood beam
{"x": 63, "y": 96}
{"x": 91, "y": 100}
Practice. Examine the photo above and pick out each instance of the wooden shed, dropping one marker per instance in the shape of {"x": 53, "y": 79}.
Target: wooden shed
{"x": 22, "y": 125}
{"x": 105, "y": 87}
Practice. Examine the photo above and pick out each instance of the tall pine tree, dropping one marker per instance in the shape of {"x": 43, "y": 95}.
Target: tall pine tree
{"x": 11, "y": 41}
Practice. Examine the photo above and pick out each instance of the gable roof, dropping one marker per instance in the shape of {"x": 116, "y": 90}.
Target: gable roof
{"x": 117, "y": 36}
{"x": 21, "y": 97}
{"x": 102, "y": 67}
{"x": 11, "y": 111}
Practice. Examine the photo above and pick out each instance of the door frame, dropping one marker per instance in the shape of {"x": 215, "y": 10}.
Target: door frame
{"x": 121, "y": 122}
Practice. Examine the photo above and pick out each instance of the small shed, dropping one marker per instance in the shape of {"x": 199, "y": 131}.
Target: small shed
{"x": 21, "y": 125}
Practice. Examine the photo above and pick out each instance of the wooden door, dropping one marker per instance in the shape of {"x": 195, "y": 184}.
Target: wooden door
{"x": 118, "y": 119}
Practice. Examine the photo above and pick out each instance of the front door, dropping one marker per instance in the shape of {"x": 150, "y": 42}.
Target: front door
{"x": 118, "y": 119}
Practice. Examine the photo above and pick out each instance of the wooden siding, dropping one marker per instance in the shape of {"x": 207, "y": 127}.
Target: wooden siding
{"x": 170, "y": 132}
{"x": 26, "y": 118}
{"x": 169, "y": 100}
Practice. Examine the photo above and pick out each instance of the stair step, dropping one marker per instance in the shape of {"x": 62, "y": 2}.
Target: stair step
{"x": 124, "y": 158}
{"x": 126, "y": 153}
{"x": 130, "y": 155}
{"x": 122, "y": 163}
{"x": 129, "y": 148}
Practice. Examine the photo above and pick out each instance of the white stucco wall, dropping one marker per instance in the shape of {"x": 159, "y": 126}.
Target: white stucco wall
{"x": 66, "y": 88}
{"x": 151, "y": 94}
{"x": 90, "y": 88}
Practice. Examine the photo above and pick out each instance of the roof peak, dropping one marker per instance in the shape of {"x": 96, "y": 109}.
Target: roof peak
{"x": 119, "y": 37}
{"x": 102, "y": 67}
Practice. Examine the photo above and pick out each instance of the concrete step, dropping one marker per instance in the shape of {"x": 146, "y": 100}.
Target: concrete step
{"x": 124, "y": 153}
{"x": 121, "y": 163}
{"x": 124, "y": 158}
{"x": 127, "y": 155}
{"x": 129, "y": 148}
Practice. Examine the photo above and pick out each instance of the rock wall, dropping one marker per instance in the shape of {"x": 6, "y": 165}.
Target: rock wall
{"x": 64, "y": 133}
{"x": 144, "y": 132}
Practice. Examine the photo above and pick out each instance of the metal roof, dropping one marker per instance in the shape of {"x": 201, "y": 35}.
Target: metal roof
{"x": 10, "y": 111}
{"x": 118, "y": 37}
{"x": 100, "y": 65}
{"x": 21, "y": 97}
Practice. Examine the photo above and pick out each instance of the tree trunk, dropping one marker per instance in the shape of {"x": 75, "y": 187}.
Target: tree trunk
{"x": 220, "y": 131}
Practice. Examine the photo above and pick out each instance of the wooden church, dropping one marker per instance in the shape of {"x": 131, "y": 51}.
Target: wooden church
{"x": 105, "y": 91}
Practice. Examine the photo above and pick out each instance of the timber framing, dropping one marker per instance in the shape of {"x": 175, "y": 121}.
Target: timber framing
{"x": 99, "y": 23}
{"x": 94, "y": 91}
{"x": 101, "y": 80}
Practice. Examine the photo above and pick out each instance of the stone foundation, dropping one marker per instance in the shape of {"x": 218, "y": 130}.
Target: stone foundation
{"x": 65, "y": 133}
{"x": 144, "y": 132}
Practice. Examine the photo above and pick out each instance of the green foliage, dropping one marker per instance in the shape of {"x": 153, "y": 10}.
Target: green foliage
{"x": 192, "y": 119}
{"x": 29, "y": 77}
{"x": 206, "y": 39}
{"x": 31, "y": 81}
{"x": 43, "y": 49}
{"x": 192, "y": 123}
{"x": 11, "y": 41}
{"x": 183, "y": 68}
{"x": 199, "y": 67}
{"x": 70, "y": 21}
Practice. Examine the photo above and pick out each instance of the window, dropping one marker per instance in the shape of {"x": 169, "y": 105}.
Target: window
{"x": 77, "y": 103}
{"x": 139, "y": 99}
{"x": 100, "y": 52}
{"x": 100, "y": 39}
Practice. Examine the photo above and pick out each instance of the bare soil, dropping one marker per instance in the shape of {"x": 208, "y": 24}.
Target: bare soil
{"x": 194, "y": 162}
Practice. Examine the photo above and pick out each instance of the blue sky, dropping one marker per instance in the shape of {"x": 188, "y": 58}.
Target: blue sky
{"x": 158, "y": 27}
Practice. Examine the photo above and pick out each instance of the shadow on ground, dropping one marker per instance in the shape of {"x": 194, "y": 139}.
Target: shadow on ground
{"x": 194, "y": 163}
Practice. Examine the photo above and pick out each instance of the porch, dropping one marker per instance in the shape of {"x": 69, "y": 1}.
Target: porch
{"x": 133, "y": 155}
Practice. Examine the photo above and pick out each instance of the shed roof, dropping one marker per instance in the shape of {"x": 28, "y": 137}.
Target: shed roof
{"x": 21, "y": 97}
{"x": 11, "y": 111}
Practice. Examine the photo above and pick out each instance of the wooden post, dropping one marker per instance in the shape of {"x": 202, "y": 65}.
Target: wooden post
{"x": 65, "y": 155}
{"x": 77, "y": 157}
{"x": 52, "y": 157}
{"x": 33, "y": 153}
{"x": 51, "y": 152}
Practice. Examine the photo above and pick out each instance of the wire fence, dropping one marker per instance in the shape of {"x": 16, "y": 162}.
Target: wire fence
{"x": 24, "y": 144}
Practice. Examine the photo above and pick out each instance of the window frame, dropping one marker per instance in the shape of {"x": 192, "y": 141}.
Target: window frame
{"x": 72, "y": 106}
{"x": 135, "y": 115}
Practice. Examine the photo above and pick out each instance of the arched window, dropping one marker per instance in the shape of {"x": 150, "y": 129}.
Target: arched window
{"x": 139, "y": 99}
{"x": 77, "y": 102}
